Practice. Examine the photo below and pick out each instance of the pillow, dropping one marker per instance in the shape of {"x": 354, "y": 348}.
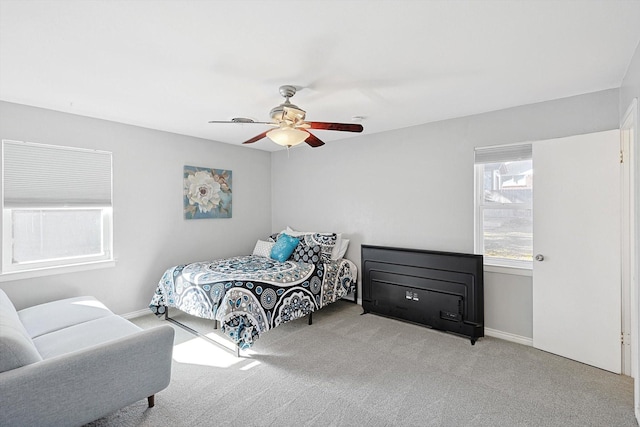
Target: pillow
{"x": 284, "y": 247}
{"x": 335, "y": 253}
{"x": 273, "y": 238}
{"x": 291, "y": 232}
{"x": 330, "y": 243}
{"x": 305, "y": 253}
{"x": 263, "y": 248}
{"x": 326, "y": 241}
{"x": 344, "y": 244}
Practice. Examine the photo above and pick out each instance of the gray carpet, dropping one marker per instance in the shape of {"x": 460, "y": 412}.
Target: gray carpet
{"x": 353, "y": 370}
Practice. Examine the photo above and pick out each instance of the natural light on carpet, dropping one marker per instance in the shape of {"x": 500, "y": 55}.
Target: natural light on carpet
{"x": 198, "y": 351}
{"x": 250, "y": 365}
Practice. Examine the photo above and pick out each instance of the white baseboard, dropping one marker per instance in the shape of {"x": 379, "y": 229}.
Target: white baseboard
{"x": 135, "y": 314}
{"x": 508, "y": 336}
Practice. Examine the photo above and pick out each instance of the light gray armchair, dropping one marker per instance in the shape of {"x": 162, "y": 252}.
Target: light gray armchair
{"x": 72, "y": 361}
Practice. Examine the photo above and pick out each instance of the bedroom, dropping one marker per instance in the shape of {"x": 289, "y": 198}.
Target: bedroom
{"x": 377, "y": 183}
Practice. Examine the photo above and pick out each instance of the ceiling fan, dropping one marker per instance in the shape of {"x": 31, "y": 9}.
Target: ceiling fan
{"x": 290, "y": 125}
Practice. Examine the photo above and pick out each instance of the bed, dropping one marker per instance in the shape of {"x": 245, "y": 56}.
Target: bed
{"x": 251, "y": 294}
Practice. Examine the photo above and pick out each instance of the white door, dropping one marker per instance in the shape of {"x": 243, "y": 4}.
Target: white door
{"x": 576, "y": 223}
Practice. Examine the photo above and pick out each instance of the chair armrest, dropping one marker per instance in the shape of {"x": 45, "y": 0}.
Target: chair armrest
{"x": 79, "y": 387}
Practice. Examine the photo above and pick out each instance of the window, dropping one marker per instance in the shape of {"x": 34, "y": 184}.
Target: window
{"x": 504, "y": 201}
{"x": 56, "y": 206}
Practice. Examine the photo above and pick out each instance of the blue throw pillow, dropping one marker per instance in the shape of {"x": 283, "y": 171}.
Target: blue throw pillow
{"x": 284, "y": 247}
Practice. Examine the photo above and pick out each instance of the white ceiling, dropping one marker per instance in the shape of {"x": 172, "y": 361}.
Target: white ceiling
{"x": 175, "y": 65}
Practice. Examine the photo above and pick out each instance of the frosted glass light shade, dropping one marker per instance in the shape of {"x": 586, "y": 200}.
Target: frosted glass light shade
{"x": 287, "y": 137}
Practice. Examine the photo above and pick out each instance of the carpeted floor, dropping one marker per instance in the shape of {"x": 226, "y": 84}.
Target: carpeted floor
{"x": 353, "y": 370}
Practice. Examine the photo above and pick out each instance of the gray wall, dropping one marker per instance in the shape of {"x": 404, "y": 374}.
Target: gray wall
{"x": 409, "y": 188}
{"x": 414, "y": 187}
{"x": 150, "y": 233}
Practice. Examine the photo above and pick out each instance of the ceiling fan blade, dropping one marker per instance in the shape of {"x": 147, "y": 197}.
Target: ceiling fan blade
{"x": 313, "y": 140}
{"x": 344, "y": 127}
{"x": 256, "y": 138}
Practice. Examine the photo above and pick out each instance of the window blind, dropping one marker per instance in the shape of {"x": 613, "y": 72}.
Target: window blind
{"x": 39, "y": 175}
{"x": 503, "y": 153}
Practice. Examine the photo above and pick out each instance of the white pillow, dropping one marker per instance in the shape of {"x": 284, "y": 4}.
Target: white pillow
{"x": 344, "y": 244}
{"x": 291, "y": 232}
{"x": 263, "y": 248}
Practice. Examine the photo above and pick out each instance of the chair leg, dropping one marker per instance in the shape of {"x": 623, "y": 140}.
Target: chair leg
{"x": 152, "y": 400}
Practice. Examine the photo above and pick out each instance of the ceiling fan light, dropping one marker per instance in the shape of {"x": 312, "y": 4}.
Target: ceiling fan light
{"x": 287, "y": 137}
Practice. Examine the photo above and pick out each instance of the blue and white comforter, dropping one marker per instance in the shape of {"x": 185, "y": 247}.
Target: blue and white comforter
{"x": 251, "y": 294}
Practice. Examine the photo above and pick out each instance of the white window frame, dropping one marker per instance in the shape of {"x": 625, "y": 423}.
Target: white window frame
{"x": 496, "y": 264}
{"x": 10, "y": 270}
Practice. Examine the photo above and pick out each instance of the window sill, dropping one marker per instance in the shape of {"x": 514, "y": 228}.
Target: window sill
{"x": 516, "y": 271}
{"x": 49, "y": 271}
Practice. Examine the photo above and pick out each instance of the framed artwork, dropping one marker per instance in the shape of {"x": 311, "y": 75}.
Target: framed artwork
{"x": 207, "y": 193}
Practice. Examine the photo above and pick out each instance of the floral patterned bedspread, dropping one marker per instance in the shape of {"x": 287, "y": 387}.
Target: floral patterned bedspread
{"x": 251, "y": 294}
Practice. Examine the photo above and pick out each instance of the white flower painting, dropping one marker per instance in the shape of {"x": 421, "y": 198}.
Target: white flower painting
{"x": 207, "y": 193}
